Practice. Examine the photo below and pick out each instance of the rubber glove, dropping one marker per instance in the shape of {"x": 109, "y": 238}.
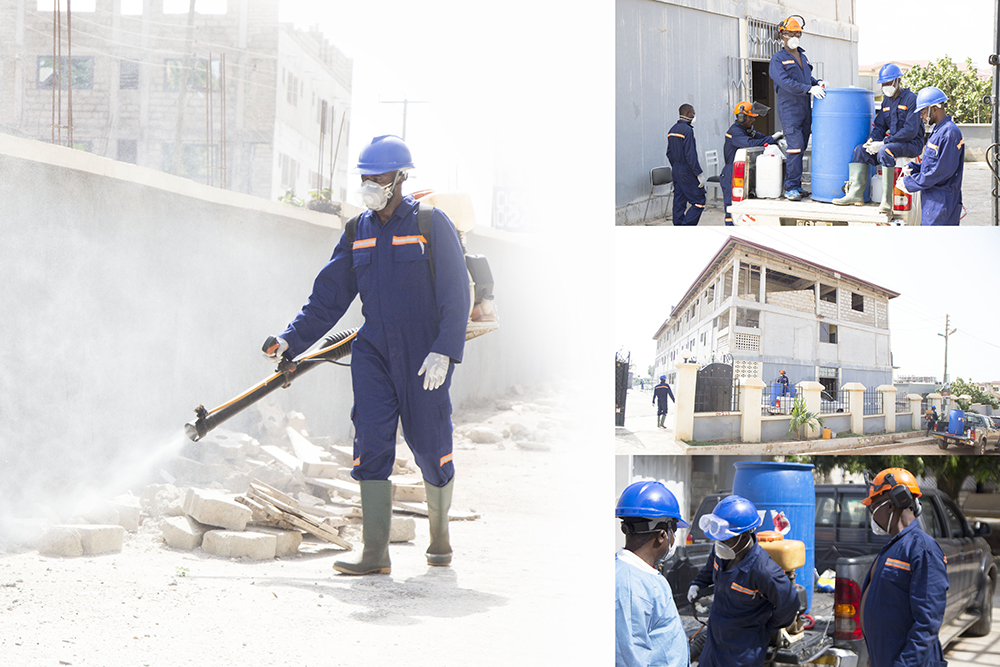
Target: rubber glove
{"x": 908, "y": 170}
{"x": 817, "y": 92}
{"x": 701, "y": 181}
{"x": 274, "y": 347}
{"x": 777, "y": 135}
{"x": 874, "y": 147}
{"x": 899, "y": 184}
{"x": 435, "y": 370}
{"x": 822, "y": 83}
{"x": 693, "y": 593}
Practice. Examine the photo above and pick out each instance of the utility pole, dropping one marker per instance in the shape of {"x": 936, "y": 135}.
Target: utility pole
{"x": 945, "y": 335}
{"x": 406, "y": 103}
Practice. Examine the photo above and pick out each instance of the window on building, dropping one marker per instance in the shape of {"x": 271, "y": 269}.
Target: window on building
{"x": 292, "y": 90}
{"x": 827, "y": 293}
{"x": 127, "y": 150}
{"x": 78, "y": 6}
{"x": 289, "y": 171}
{"x": 827, "y": 333}
{"x": 747, "y": 317}
{"x": 82, "y": 71}
{"x": 128, "y": 77}
{"x": 857, "y": 302}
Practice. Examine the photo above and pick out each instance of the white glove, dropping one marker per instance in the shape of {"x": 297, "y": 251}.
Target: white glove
{"x": 274, "y": 347}
{"x": 693, "y": 593}
{"x": 701, "y": 181}
{"x": 907, "y": 170}
{"x": 777, "y": 135}
{"x": 817, "y": 92}
{"x": 874, "y": 147}
{"x": 435, "y": 370}
{"x": 899, "y": 184}
{"x": 822, "y": 83}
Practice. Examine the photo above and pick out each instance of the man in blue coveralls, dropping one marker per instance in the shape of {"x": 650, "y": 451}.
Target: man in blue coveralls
{"x": 939, "y": 174}
{"x": 741, "y": 135}
{"x": 648, "y": 629}
{"x": 689, "y": 181}
{"x": 661, "y": 392}
{"x": 404, "y": 354}
{"x": 794, "y": 83}
{"x": 904, "y": 595}
{"x": 896, "y": 133}
{"x": 753, "y": 596}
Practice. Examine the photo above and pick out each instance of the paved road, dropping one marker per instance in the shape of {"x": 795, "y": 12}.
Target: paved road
{"x": 640, "y": 434}
{"x": 976, "y": 195}
{"x": 977, "y": 651}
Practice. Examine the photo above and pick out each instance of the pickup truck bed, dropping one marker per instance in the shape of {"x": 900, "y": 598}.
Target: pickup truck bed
{"x": 807, "y": 213}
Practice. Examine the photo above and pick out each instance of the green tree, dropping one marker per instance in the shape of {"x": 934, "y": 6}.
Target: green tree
{"x": 949, "y": 471}
{"x": 959, "y": 387}
{"x": 965, "y": 90}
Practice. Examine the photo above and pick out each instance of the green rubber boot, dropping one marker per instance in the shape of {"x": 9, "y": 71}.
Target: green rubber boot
{"x": 376, "y": 519}
{"x": 438, "y": 504}
{"x": 659, "y": 420}
{"x": 888, "y": 189}
{"x": 858, "y": 175}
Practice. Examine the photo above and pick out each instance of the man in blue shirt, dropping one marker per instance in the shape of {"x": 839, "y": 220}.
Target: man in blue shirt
{"x": 648, "y": 629}
{"x": 753, "y": 596}
{"x": 661, "y": 393}
{"x": 938, "y": 176}
{"x": 741, "y": 135}
{"x": 896, "y": 133}
{"x": 904, "y": 594}
{"x": 404, "y": 354}
{"x": 689, "y": 181}
{"x": 794, "y": 85}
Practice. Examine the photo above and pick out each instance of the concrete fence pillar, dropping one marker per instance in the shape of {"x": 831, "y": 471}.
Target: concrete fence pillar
{"x": 687, "y": 379}
{"x": 856, "y": 391}
{"x": 935, "y": 401}
{"x": 888, "y": 406}
{"x": 811, "y": 391}
{"x": 918, "y": 417}
{"x": 751, "y": 390}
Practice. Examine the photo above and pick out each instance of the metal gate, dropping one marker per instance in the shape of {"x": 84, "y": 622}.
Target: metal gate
{"x": 621, "y": 387}
{"x": 714, "y": 389}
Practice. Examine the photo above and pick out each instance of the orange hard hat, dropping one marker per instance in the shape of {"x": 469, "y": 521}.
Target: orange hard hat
{"x": 793, "y": 23}
{"x": 896, "y": 477}
{"x": 744, "y": 107}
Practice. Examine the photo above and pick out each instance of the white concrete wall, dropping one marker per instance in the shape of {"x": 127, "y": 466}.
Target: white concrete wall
{"x": 130, "y": 296}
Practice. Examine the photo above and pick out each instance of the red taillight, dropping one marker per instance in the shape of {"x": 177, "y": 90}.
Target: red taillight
{"x": 739, "y": 180}
{"x": 900, "y": 200}
{"x": 689, "y": 540}
{"x": 847, "y": 610}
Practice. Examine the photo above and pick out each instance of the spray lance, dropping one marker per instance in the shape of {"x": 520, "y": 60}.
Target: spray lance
{"x": 482, "y": 319}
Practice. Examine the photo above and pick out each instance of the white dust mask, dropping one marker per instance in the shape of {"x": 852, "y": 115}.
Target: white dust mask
{"x": 375, "y": 196}
{"x": 793, "y": 42}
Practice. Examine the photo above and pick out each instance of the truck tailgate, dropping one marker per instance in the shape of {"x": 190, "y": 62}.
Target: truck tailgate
{"x": 811, "y": 212}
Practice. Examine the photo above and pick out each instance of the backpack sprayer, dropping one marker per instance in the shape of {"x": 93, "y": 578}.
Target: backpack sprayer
{"x": 482, "y": 319}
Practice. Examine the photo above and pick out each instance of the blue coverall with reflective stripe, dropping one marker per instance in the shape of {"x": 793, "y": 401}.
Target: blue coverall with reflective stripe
{"x": 737, "y": 137}
{"x": 938, "y": 177}
{"x": 661, "y": 392}
{"x": 791, "y": 89}
{"x": 683, "y": 155}
{"x": 900, "y": 129}
{"x": 752, "y": 601}
{"x": 903, "y": 600}
{"x": 407, "y": 315}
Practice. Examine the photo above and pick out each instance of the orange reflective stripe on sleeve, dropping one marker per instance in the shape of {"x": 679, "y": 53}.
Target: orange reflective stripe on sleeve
{"x": 902, "y": 565}
{"x": 903, "y": 107}
{"x": 889, "y": 152}
{"x": 794, "y": 150}
{"x": 741, "y": 589}
{"x": 363, "y": 243}
{"x": 446, "y": 458}
{"x": 357, "y": 462}
{"x": 960, "y": 143}
{"x": 675, "y": 134}
{"x": 934, "y": 146}
{"x": 700, "y": 205}
{"x": 787, "y": 62}
{"x": 405, "y": 240}
{"x": 729, "y": 135}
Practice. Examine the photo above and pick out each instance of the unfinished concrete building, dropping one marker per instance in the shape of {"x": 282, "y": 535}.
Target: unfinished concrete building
{"x": 763, "y": 310}
{"x": 275, "y": 118}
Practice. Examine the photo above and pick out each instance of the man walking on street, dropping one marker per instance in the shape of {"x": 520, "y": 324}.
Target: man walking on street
{"x": 931, "y": 415}
{"x": 689, "y": 181}
{"x": 661, "y": 393}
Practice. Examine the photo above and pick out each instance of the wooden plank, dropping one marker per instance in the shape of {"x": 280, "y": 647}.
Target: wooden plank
{"x": 293, "y": 521}
{"x": 273, "y": 492}
{"x": 278, "y": 454}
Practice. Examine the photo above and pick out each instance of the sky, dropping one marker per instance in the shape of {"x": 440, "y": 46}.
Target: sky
{"x": 922, "y": 30}
{"x": 937, "y": 272}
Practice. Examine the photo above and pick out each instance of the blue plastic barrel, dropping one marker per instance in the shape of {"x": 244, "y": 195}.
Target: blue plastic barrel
{"x": 788, "y": 488}
{"x": 956, "y": 422}
{"x": 840, "y": 121}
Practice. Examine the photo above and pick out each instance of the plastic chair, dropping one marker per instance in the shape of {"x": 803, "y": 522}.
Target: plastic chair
{"x": 657, "y": 176}
{"x": 712, "y": 160}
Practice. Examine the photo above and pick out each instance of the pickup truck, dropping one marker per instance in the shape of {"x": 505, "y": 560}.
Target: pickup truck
{"x": 966, "y": 428}
{"x": 972, "y": 579}
{"x": 748, "y": 210}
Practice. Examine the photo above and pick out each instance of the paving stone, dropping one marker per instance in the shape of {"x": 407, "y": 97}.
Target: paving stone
{"x": 288, "y": 541}
{"x": 247, "y": 544}
{"x": 485, "y": 435}
{"x": 81, "y": 540}
{"x": 183, "y": 532}
{"x": 216, "y": 510}
{"x": 61, "y": 541}
{"x": 402, "y": 529}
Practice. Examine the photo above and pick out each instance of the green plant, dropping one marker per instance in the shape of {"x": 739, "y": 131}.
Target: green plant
{"x": 965, "y": 90}
{"x": 802, "y": 418}
{"x": 181, "y": 571}
{"x": 290, "y": 199}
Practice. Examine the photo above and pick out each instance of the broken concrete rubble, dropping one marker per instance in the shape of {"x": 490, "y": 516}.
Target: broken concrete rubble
{"x": 81, "y": 540}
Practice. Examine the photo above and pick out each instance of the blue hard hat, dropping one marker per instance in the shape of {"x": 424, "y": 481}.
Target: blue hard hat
{"x": 928, "y": 96}
{"x": 663, "y": 377}
{"x": 384, "y": 154}
{"x": 731, "y": 517}
{"x": 649, "y": 500}
{"x": 889, "y": 72}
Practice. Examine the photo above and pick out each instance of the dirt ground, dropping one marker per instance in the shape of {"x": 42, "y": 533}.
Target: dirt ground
{"x": 530, "y": 582}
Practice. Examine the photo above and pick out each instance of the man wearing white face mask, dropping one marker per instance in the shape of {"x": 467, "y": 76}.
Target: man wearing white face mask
{"x": 403, "y": 356}
{"x": 904, "y": 594}
{"x": 753, "y": 596}
{"x": 648, "y": 629}
{"x": 689, "y": 180}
